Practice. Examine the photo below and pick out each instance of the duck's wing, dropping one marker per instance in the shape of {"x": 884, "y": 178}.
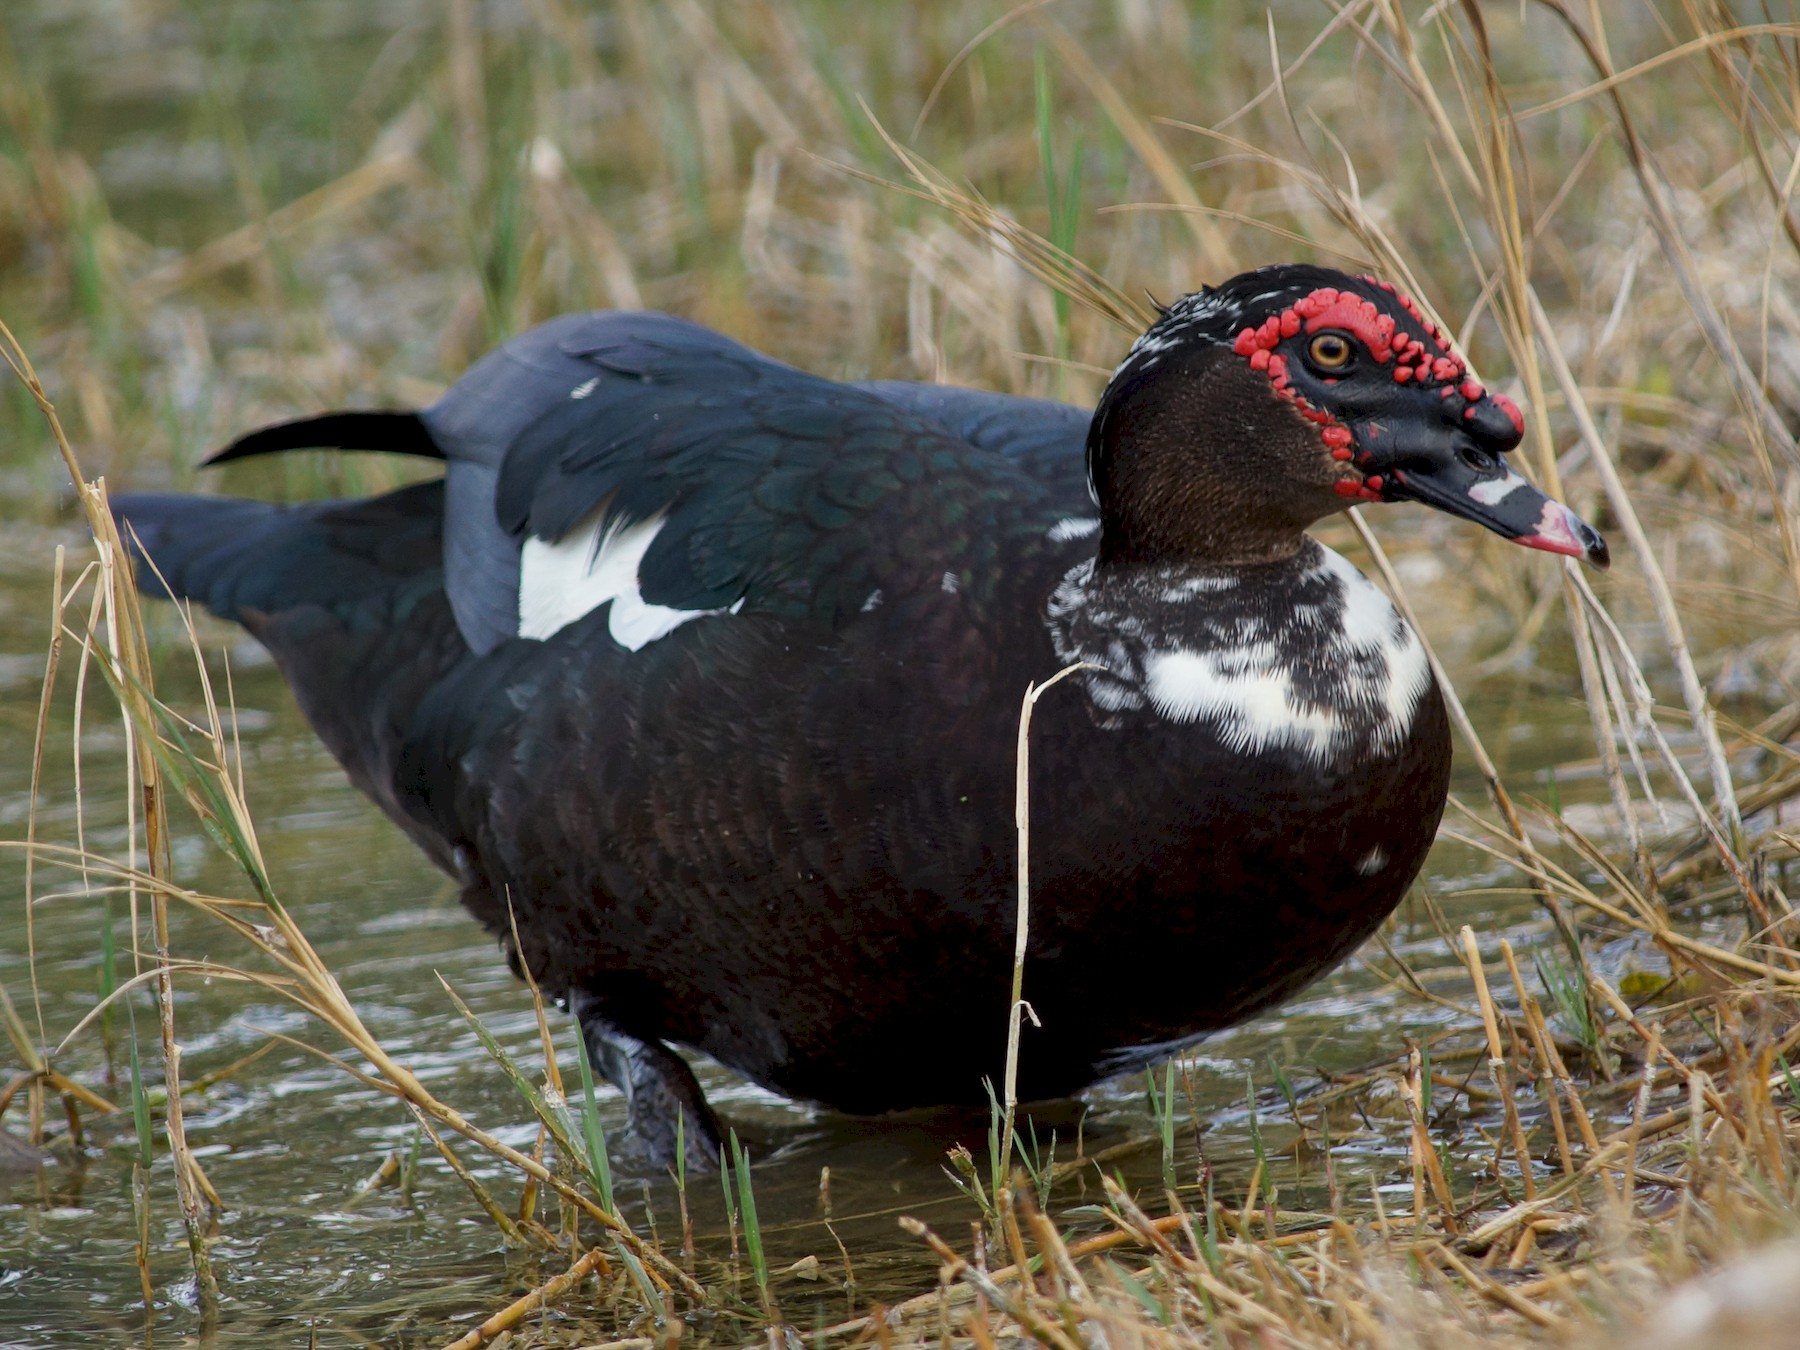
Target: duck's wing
{"x": 646, "y": 460}
{"x": 739, "y": 482}
{"x": 1046, "y": 439}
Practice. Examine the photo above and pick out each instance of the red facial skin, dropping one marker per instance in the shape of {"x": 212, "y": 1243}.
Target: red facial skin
{"x": 1379, "y": 335}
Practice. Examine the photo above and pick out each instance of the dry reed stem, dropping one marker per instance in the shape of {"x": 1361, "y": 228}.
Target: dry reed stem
{"x": 40, "y": 735}
{"x": 1017, "y": 1007}
{"x": 1699, "y": 707}
{"x": 1539, "y": 1034}
{"x": 129, "y": 667}
{"x": 519, "y": 1309}
{"x": 1425, "y": 1150}
{"x": 1496, "y": 1063}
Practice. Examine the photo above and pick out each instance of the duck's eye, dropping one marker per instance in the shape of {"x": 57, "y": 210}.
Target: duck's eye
{"x": 1329, "y": 351}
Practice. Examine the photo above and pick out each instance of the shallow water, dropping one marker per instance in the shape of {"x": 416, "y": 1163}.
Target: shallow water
{"x": 287, "y": 1140}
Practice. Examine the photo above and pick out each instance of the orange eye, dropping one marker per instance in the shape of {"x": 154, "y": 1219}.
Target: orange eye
{"x": 1329, "y": 351}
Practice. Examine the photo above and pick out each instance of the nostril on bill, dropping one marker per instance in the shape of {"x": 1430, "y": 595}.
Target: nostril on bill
{"x": 1496, "y": 421}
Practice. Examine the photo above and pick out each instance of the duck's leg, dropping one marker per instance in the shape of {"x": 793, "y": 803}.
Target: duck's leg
{"x": 660, "y": 1090}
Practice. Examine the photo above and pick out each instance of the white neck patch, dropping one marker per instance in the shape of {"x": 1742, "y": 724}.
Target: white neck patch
{"x": 1323, "y": 665}
{"x": 593, "y": 564}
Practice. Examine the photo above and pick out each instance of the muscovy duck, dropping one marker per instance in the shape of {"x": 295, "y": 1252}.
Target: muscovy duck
{"x": 711, "y": 669}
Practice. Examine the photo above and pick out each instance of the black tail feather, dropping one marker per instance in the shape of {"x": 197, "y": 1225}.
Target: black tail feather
{"x": 199, "y": 543}
{"x": 393, "y": 432}
{"x": 233, "y": 556}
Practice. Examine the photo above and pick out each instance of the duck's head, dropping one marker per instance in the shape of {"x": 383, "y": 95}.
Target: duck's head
{"x": 1251, "y": 410}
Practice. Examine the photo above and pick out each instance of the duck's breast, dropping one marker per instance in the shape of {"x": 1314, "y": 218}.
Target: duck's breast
{"x": 1233, "y": 801}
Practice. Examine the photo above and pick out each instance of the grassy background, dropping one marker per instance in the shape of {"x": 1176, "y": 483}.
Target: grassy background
{"x": 215, "y": 214}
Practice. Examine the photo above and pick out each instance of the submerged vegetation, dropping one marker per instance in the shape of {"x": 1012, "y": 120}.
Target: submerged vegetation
{"x": 1579, "y": 1117}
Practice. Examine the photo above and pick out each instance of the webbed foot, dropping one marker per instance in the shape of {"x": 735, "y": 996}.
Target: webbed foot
{"x": 663, "y": 1100}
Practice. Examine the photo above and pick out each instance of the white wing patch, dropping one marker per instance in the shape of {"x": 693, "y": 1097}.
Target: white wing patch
{"x": 564, "y": 579}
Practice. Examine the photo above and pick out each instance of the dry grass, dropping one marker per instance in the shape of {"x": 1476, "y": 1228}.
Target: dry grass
{"x": 1602, "y": 205}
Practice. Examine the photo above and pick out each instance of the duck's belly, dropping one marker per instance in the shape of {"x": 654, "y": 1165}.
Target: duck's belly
{"x": 821, "y": 894}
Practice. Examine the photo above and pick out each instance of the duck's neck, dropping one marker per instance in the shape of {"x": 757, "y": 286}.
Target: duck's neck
{"x": 1127, "y": 543}
{"x": 1194, "y": 463}
{"x": 1173, "y": 502}
{"x": 1169, "y": 579}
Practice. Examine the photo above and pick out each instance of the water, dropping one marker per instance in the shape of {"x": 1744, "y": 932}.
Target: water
{"x": 287, "y": 1139}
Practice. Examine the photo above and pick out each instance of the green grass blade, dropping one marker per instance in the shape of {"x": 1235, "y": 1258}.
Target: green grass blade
{"x": 1256, "y": 1139}
{"x": 753, "y": 1244}
{"x": 554, "y": 1117}
{"x": 1165, "y": 1121}
{"x": 140, "y": 1103}
{"x": 599, "y": 1166}
{"x": 1135, "y": 1287}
